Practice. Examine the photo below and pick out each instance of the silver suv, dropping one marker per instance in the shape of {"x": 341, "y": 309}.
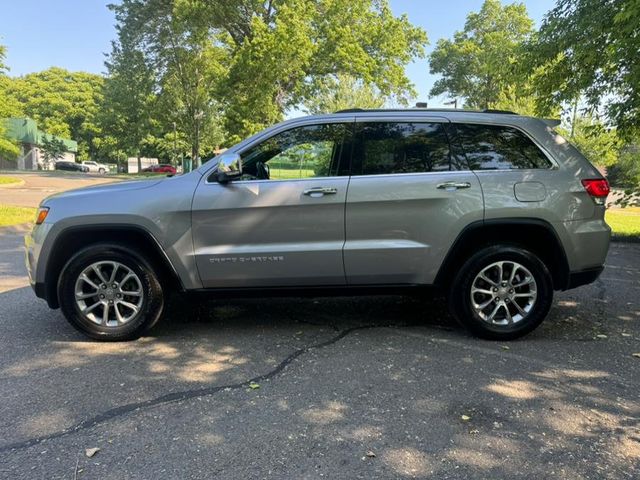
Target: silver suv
{"x": 495, "y": 209}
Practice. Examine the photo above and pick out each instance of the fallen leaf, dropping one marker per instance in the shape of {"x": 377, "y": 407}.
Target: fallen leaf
{"x": 626, "y": 334}
{"x": 90, "y": 452}
{"x": 370, "y": 454}
{"x": 505, "y": 347}
{"x": 637, "y": 355}
{"x": 254, "y": 385}
{"x": 601, "y": 336}
{"x": 474, "y": 432}
{"x": 466, "y": 418}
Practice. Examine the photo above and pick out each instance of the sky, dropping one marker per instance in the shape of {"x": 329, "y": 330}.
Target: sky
{"x": 75, "y": 34}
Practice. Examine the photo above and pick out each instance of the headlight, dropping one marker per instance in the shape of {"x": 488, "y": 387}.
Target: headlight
{"x": 42, "y": 214}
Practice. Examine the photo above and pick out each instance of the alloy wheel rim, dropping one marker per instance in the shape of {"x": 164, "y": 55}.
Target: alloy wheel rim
{"x": 503, "y": 293}
{"x": 109, "y": 294}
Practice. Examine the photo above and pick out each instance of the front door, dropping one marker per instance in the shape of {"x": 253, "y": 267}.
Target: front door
{"x": 409, "y": 198}
{"x": 282, "y": 223}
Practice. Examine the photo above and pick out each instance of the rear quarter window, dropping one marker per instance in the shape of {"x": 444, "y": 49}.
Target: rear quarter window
{"x": 496, "y": 147}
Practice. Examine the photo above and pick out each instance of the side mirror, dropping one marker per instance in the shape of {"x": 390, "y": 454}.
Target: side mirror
{"x": 229, "y": 167}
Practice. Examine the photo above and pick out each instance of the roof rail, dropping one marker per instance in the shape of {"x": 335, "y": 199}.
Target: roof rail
{"x": 382, "y": 110}
{"x": 491, "y": 110}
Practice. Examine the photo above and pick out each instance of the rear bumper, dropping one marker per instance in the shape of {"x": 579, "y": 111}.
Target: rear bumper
{"x": 583, "y": 277}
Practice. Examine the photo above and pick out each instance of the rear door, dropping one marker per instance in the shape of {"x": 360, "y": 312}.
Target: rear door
{"x": 282, "y": 224}
{"x": 409, "y": 198}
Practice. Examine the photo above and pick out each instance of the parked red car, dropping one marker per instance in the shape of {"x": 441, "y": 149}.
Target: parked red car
{"x": 162, "y": 168}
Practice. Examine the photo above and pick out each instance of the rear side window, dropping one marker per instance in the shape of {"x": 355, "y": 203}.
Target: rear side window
{"x": 401, "y": 147}
{"x": 495, "y": 147}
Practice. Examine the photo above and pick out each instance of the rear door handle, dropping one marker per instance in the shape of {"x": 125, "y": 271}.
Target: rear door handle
{"x": 453, "y": 185}
{"x": 320, "y": 191}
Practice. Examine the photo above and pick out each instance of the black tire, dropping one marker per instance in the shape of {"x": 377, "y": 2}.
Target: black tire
{"x": 101, "y": 171}
{"x": 460, "y": 302}
{"x": 152, "y": 300}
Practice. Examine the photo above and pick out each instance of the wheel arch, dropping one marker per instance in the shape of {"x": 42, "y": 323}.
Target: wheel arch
{"x": 535, "y": 235}
{"x": 130, "y": 237}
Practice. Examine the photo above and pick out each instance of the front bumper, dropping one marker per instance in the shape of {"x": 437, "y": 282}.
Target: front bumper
{"x": 33, "y": 242}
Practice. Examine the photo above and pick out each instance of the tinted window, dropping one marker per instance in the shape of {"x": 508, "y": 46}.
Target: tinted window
{"x": 494, "y": 147}
{"x": 303, "y": 152}
{"x": 387, "y": 147}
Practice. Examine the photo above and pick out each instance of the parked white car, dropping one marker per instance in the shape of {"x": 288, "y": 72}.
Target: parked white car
{"x": 95, "y": 167}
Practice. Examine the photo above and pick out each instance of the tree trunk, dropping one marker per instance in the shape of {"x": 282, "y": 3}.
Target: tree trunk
{"x": 195, "y": 148}
{"x": 139, "y": 164}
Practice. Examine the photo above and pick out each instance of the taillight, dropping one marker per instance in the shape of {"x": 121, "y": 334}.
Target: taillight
{"x": 598, "y": 188}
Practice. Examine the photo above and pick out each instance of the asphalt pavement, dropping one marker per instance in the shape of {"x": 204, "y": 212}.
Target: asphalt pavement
{"x": 345, "y": 388}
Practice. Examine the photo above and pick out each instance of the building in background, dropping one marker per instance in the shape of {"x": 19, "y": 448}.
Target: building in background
{"x": 25, "y": 131}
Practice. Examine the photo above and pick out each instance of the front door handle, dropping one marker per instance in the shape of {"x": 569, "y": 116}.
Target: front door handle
{"x": 453, "y": 185}
{"x": 320, "y": 191}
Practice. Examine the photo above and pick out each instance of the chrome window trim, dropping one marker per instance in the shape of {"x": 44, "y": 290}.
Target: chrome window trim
{"x": 442, "y": 172}
{"x": 308, "y": 179}
{"x": 417, "y": 117}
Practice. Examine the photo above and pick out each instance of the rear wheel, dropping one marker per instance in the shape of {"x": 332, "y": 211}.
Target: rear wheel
{"x": 501, "y": 293}
{"x": 101, "y": 171}
{"x": 110, "y": 293}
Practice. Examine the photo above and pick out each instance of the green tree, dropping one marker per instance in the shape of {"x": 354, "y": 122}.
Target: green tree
{"x": 594, "y": 139}
{"x": 186, "y": 59}
{"x": 9, "y": 149}
{"x": 589, "y": 50}
{"x": 268, "y": 57}
{"x": 129, "y": 99}
{"x": 52, "y": 148}
{"x": 63, "y": 103}
{"x": 341, "y": 92}
{"x": 480, "y": 64}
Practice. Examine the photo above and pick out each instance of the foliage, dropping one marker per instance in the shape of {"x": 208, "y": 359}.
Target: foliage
{"x": 62, "y": 103}
{"x": 129, "y": 99}
{"x": 52, "y": 148}
{"x": 590, "y": 48}
{"x": 281, "y": 53}
{"x": 626, "y": 174}
{"x": 480, "y": 63}
{"x": 185, "y": 59}
{"x": 594, "y": 140}
{"x": 9, "y": 150}
{"x": 341, "y": 92}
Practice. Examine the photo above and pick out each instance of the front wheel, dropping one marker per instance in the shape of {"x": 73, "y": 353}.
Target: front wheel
{"x": 101, "y": 171}
{"x": 110, "y": 293}
{"x": 501, "y": 293}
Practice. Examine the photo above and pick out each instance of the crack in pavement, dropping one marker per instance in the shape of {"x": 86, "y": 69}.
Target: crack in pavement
{"x": 175, "y": 397}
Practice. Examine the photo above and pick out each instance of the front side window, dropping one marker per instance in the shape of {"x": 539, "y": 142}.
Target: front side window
{"x": 495, "y": 147}
{"x": 401, "y": 147}
{"x": 303, "y": 152}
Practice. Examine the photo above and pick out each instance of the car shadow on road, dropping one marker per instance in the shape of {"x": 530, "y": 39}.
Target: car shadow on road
{"x": 338, "y": 313}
